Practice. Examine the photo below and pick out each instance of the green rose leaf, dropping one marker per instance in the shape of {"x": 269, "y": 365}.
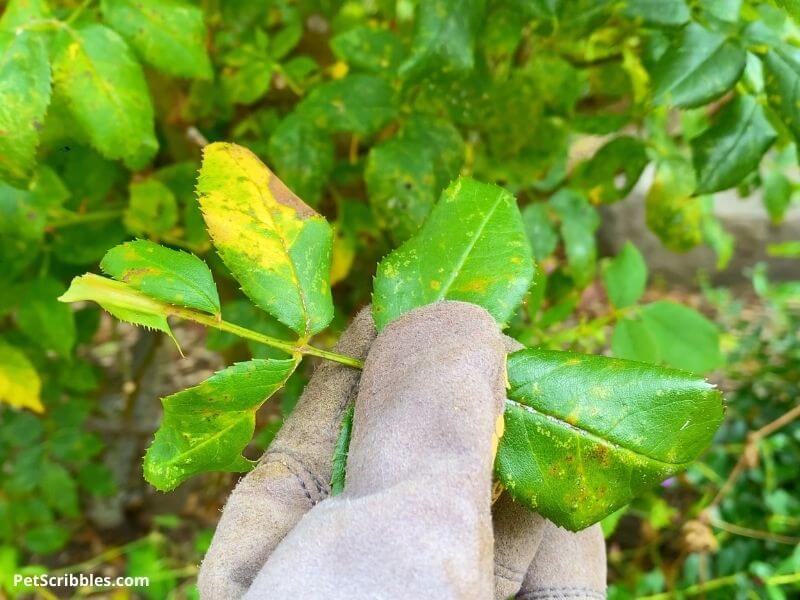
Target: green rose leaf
{"x": 444, "y": 37}
{"x": 59, "y": 489}
{"x": 46, "y": 321}
{"x": 455, "y": 256}
{"x": 732, "y": 148}
{"x": 699, "y": 66}
{"x": 121, "y": 300}
{"x": 777, "y": 195}
{"x": 168, "y": 34}
{"x": 303, "y": 156}
{"x": 152, "y": 209}
{"x": 206, "y": 427}
{"x": 685, "y": 338}
{"x": 24, "y": 96}
{"x": 105, "y": 89}
{"x": 625, "y": 277}
{"x": 782, "y": 84}
{"x": 168, "y": 275}
{"x": 632, "y": 340}
{"x": 359, "y": 103}
{"x": 405, "y": 174}
{"x": 585, "y": 434}
{"x": 579, "y": 221}
{"x": 671, "y": 13}
{"x": 540, "y": 230}
{"x": 278, "y": 248}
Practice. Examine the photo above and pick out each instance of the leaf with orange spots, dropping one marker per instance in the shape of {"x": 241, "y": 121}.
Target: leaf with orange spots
{"x": 586, "y": 434}
{"x": 206, "y": 427}
{"x": 169, "y": 275}
{"x": 472, "y": 248}
{"x": 277, "y": 247}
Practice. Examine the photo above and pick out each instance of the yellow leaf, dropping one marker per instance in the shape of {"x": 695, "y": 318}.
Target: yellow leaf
{"x": 19, "y": 381}
{"x": 277, "y": 247}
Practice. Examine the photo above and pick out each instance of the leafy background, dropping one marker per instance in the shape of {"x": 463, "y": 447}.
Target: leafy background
{"x": 367, "y": 110}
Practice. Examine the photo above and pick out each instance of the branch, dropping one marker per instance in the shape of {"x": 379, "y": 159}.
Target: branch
{"x": 721, "y": 582}
{"x": 117, "y": 295}
{"x": 749, "y": 455}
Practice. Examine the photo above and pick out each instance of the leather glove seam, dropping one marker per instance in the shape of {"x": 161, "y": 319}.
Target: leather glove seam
{"x": 291, "y": 462}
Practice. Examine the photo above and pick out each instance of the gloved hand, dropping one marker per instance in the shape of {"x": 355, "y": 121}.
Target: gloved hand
{"x": 415, "y": 518}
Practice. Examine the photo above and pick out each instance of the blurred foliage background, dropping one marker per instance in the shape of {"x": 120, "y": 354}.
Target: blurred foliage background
{"x": 367, "y": 110}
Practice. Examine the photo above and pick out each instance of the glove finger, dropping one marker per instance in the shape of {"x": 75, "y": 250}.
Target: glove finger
{"x": 567, "y": 565}
{"x": 414, "y": 519}
{"x": 292, "y": 476}
{"x": 518, "y": 533}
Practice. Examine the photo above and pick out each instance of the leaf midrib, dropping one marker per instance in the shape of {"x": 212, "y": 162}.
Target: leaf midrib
{"x": 468, "y": 250}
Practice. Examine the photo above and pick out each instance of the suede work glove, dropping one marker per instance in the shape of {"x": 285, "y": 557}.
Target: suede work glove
{"x": 415, "y": 518}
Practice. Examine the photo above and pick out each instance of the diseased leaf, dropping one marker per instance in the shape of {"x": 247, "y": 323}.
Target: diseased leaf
{"x": 169, "y": 275}
{"x": 732, "y": 148}
{"x": 359, "y": 103}
{"x": 671, "y": 211}
{"x": 19, "y": 382}
{"x": 152, "y": 209}
{"x": 303, "y": 156}
{"x": 369, "y": 48}
{"x": 105, "y": 89}
{"x": 19, "y": 12}
{"x": 121, "y": 300}
{"x": 625, "y": 277}
{"x": 455, "y": 256}
{"x": 585, "y": 434}
{"x": 444, "y": 37}
{"x": 782, "y": 84}
{"x": 206, "y": 427}
{"x": 22, "y": 223}
{"x": 405, "y": 174}
{"x": 168, "y": 34}
{"x": 699, "y": 66}
{"x": 277, "y": 247}
{"x": 685, "y": 338}
{"x": 47, "y": 322}
{"x": 613, "y": 171}
{"x": 24, "y": 97}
